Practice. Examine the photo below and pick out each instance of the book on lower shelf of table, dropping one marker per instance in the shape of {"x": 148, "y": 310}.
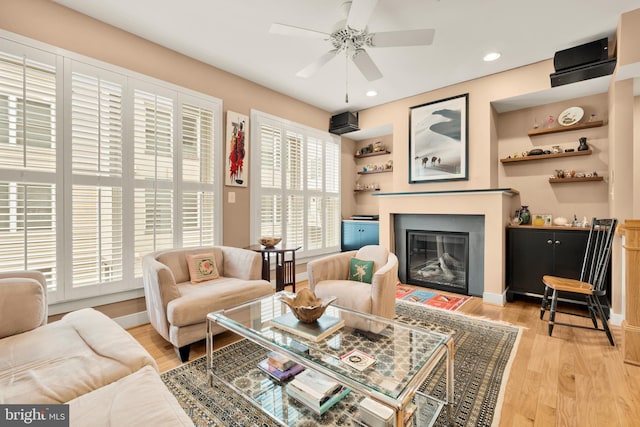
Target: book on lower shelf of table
{"x": 276, "y": 373}
{"x": 316, "y": 391}
{"x": 315, "y": 331}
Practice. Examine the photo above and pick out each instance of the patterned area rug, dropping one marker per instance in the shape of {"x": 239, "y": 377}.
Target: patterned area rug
{"x": 483, "y": 354}
{"x": 432, "y": 299}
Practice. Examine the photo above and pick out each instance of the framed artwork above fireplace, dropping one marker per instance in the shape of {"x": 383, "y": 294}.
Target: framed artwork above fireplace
{"x": 438, "y": 140}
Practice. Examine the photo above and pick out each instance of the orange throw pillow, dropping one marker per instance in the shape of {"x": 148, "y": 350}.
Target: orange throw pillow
{"x": 202, "y": 267}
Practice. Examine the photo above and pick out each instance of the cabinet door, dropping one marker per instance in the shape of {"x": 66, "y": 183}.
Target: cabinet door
{"x": 530, "y": 256}
{"x": 569, "y": 247}
{"x": 369, "y": 233}
{"x": 350, "y": 236}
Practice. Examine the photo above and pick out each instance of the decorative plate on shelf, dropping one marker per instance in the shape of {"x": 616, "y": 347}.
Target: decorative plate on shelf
{"x": 570, "y": 116}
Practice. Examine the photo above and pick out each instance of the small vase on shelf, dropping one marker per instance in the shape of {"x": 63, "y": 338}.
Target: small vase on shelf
{"x": 525, "y": 215}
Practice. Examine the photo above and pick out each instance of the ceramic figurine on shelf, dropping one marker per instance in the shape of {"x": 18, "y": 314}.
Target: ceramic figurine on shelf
{"x": 549, "y": 122}
{"x": 575, "y": 223}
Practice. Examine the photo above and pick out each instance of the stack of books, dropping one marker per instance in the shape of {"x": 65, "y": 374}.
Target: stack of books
{"x": 316, "y": 391}
{"x": 280, "y": 367}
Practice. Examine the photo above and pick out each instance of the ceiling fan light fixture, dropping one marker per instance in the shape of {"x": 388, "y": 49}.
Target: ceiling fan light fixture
{"x": 491, "y": 56}
{"x": 372, "y": 93}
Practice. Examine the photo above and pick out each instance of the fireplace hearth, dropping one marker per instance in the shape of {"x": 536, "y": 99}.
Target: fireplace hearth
{"x": 437, "y": 259}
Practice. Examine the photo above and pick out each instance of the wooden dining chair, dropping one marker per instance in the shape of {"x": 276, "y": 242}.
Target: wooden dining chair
{"x": 591, "y": 284}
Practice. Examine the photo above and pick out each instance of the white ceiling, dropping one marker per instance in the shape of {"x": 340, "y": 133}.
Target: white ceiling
{"x": 234, "y": 35}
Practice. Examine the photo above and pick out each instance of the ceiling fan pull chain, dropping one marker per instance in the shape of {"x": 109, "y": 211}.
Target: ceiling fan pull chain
{"x": 346, "y": 79}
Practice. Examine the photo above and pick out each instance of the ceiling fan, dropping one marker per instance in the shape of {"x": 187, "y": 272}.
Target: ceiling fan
{"x": 351, "y": 37}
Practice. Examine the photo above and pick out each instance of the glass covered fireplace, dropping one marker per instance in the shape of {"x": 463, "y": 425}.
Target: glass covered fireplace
{"x": 438, "y": 259}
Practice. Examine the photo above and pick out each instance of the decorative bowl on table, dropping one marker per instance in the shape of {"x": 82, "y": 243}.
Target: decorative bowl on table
{"x": 306, "y": 306}
{"x": 269, "y": 242}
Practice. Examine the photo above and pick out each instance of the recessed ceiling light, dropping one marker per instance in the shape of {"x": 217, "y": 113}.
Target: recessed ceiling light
{"x": 371, "y": 93}
{"x": 492, "y": 56}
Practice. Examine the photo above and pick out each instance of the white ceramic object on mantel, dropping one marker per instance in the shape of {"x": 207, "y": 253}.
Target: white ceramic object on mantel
{"x": 560, "y": 220}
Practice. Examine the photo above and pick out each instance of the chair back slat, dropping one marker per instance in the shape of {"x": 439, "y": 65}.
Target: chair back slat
{"x": 598, "y": 252}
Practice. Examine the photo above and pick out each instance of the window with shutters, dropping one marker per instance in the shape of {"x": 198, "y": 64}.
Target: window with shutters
{"x": 299, "y": 187}
{"x": 139, "y": 170}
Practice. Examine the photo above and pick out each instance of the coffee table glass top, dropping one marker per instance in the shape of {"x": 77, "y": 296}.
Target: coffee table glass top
{"x": 401, "y": 352}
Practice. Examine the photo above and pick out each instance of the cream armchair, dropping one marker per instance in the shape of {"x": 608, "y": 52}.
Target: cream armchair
{"x": 178, "y": 309}
{"x": 329, "y": 277}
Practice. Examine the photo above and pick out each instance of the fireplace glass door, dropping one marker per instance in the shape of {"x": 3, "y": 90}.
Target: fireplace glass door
{"x": 438, "y": 259}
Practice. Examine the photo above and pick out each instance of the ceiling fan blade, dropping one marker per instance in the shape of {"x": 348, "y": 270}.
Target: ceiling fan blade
{"x": 366, "y": 66}
{"x": 290, "y": 30}
{"x": 360, "y": 13}
{"x": 312, "y": 68}
{"x": 403, "y": 38}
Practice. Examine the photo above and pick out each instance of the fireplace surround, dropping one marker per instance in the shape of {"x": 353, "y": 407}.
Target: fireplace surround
{"x": 494, "y": 205}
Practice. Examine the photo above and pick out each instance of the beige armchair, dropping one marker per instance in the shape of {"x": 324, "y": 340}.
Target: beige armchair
{"x": 178, "y": 309}
{"x": 328, "y": 276}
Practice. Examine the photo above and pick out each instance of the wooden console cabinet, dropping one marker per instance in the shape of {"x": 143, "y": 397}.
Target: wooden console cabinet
{"x": 533, "y": 252}
{"x": 631, "y": 324}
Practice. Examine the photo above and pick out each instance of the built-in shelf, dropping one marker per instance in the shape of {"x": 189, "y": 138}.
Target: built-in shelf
{"x": 578, "y": 126}
{"x": 377, "y": 153}
{"x": 366, "y": 191}
{"x": 377, "y": 171}
{"x": 581, "y": 179}
{"x": 546, "y": 156}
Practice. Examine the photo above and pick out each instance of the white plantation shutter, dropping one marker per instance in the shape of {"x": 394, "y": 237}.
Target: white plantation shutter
{"x": 198, "y": 160}
{"x": 97, "y": 182}
{"x": 153, "y": 173}
{"x": 299, "y": 191}
{"x": 28, "y": 190}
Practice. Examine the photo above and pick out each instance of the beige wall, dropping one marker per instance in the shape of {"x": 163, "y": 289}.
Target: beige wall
{"x": 51, "y": 23}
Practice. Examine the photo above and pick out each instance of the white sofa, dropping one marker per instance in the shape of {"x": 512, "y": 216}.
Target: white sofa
{"x": 84, "y": 359}
{"x": 178, "y": 309}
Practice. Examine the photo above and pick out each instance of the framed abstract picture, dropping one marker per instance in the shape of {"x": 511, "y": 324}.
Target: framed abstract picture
{"x": 438, "y": 140}
{"x": 237, "y": 159}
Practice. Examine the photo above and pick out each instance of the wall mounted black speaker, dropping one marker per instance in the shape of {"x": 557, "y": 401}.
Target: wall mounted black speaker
{"x": 343, "y": 123}
{"x": 584, "y": 54}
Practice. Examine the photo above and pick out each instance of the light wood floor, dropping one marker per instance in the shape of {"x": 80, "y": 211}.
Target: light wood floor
{"x": 574, "y": 378}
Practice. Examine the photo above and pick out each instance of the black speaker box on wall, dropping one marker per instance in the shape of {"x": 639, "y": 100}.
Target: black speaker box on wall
{"x": 343, "y": 123}
{"x": 590, "y": 71}
{"x": 584, "y": 54}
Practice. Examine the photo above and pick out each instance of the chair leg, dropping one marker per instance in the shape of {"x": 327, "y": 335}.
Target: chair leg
{"x": 593, "y": 310}
{"x": 603, "y": 318}
{"x": 545, "y": 301}
{"x": 183, "y": 352}
{"x": 552, "y": 311}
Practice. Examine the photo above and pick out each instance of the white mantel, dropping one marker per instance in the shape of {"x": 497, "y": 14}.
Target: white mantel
{"x": 496, "y": 205}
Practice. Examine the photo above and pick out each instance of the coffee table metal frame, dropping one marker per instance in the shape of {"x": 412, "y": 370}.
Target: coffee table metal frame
{"x": 399, "y": 404}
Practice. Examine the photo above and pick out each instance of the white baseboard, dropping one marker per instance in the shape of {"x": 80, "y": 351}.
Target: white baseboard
{"x": 132, "y": 320}
{"x": 496, "y": 299}
{"x": 615, "y": 318}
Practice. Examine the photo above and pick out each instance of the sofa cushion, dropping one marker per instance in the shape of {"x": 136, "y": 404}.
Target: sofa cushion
{"x": 22, "y": 304}
{"x": 198, "y": 300}
{"x": 176, "y": 261}
{"x": 378, "y": 254}
{"x": 350, "y": 294}
{"x": 81, "y": 352}
{"x": 139, "y": 399}
{"x": 360, "y": 270}
{"x": 202, "y": 267}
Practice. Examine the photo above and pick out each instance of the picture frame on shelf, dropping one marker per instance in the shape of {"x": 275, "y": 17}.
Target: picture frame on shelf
{"x": 548, "y": 219}
{"x": 439, "y": 141}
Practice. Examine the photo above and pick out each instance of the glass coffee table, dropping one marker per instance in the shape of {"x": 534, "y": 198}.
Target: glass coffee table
{"x": 404, "y": 357}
